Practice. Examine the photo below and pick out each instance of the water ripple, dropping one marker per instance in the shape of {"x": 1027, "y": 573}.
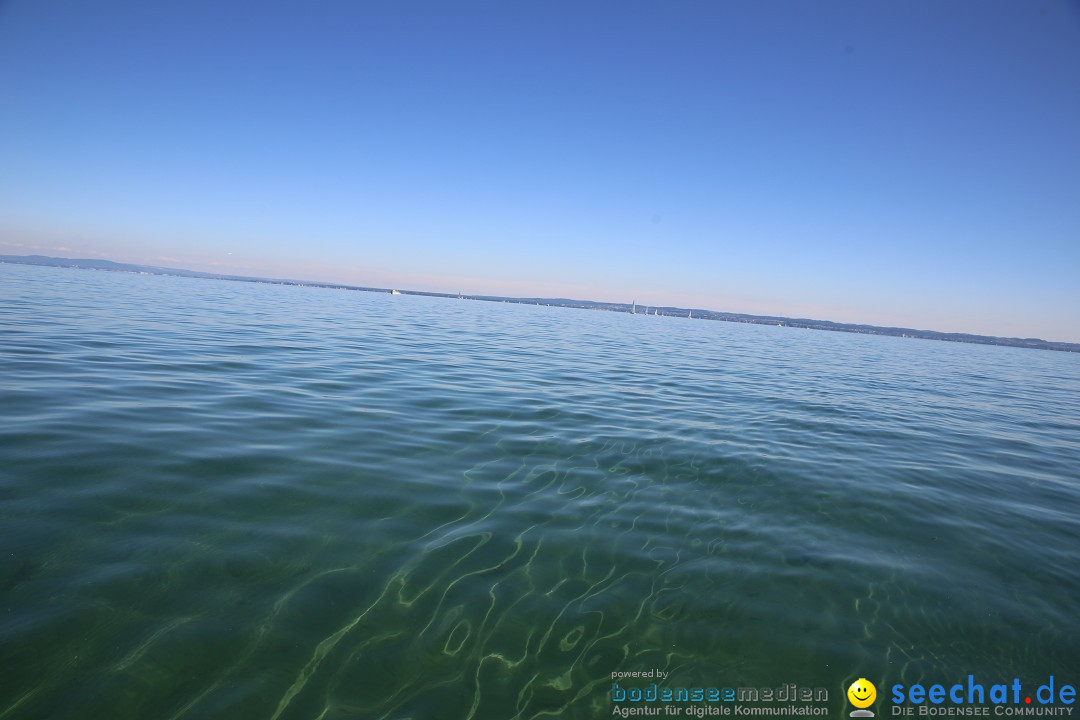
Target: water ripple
{"x": 238, "y": 500}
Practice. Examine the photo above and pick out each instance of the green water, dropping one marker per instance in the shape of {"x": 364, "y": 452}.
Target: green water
{"x": 230, "y": 500}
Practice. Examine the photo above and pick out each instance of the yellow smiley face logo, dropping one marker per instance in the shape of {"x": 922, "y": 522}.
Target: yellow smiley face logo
{"x": 862, "y": 693}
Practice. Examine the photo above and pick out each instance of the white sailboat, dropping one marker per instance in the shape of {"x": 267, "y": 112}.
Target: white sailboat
{"x": 633, "y": 308}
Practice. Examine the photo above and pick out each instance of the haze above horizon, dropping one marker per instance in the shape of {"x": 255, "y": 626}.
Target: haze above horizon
{"x": 896, "y": 164}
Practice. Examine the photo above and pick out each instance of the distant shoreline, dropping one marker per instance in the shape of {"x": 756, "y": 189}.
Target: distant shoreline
{"x": 695, "y": 313}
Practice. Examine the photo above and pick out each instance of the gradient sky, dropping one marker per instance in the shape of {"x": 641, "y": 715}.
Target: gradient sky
{"x": 897, "y": 163}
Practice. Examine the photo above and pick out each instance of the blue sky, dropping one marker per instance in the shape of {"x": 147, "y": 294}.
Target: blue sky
{"x": 897, "y": 163}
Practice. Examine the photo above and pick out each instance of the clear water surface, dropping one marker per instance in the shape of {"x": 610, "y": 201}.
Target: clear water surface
{"x": 223, "y": 499}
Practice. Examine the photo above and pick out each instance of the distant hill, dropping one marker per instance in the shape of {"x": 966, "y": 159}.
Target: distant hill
{"x": 89, "y": 264}
{"x": 696, "y": 313}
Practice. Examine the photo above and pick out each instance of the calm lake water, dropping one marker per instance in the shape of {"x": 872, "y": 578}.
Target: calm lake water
{"x": 233, "y": 500}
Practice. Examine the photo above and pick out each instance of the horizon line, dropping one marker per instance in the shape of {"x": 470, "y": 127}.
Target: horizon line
{"x": 832, "y": 325}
